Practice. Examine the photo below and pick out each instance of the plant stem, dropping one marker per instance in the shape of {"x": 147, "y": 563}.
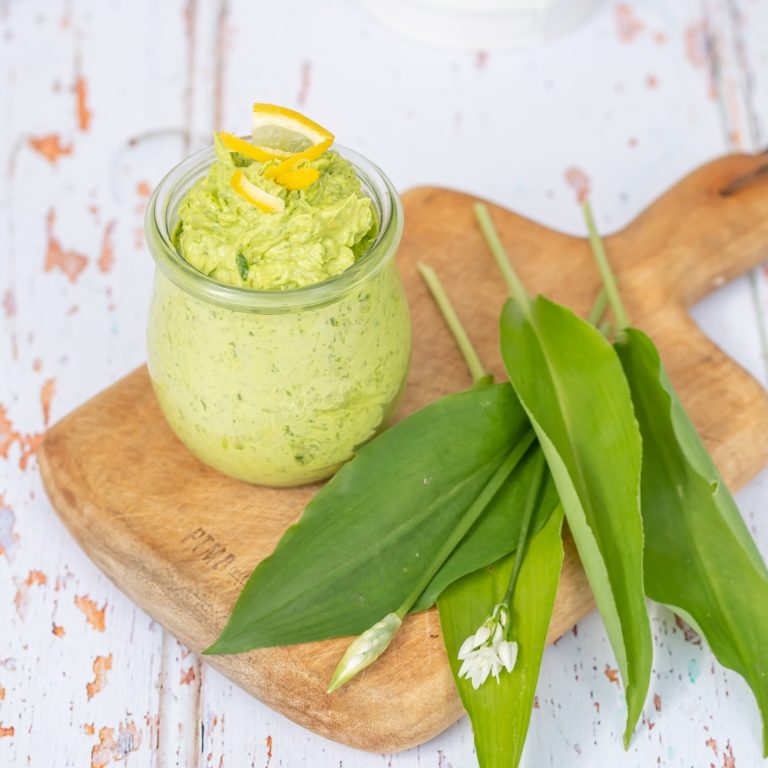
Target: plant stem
{"x": 516, "y": 287}
{"x": 598, "y": 308}
{"x": 499, "y": 477}
{"x": 609, "y": 281}
{"x": 605, "y": 328}
{"x": 534, "y": 491}
{"x": 471, "y": 358}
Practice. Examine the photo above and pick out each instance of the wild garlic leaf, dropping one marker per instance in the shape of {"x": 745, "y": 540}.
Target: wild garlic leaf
{"x": 699, "y": 556}
{"x": 369, "y": 536}
{"x": 496, "y": 533}
{"x": 570, "y": 382}
{"x": 500, "y": 712}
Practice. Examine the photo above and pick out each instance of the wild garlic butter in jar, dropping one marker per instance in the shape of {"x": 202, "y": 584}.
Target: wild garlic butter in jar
{"x": 278, "y": 341}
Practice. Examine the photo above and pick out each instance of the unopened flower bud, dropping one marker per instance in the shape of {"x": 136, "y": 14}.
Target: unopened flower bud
{"x": 365, "y": 649}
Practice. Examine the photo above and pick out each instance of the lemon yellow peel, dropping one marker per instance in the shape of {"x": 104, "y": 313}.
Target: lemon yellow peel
{"x": 301, "y": 178}
{"x": 309, "y": 154}
{"x": 263, "y": 200}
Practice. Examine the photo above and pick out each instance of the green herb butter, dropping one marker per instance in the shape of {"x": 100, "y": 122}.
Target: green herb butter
{"x": 321, "y": 232}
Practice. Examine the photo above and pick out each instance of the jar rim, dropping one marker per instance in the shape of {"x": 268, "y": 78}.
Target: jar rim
{"x": 161, "y": 214}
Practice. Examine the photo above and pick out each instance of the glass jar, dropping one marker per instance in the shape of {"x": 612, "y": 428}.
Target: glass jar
{"x": 277, "y": 387}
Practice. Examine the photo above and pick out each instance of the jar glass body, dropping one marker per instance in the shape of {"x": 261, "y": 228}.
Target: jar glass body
{"x": 277, "y": 387}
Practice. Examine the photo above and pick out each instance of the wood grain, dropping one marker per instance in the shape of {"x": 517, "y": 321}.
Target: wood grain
{"x": 180, "y": 539}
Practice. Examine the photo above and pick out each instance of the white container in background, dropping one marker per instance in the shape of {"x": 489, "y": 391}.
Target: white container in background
{"x": 480, "y": 24}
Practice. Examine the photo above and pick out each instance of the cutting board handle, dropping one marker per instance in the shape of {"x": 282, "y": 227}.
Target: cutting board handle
{"x": 708, "y": 229}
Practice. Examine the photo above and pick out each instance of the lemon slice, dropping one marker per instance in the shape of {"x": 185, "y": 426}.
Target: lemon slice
{"x": 264, "y": 201}
{"x": 301, "y": 178}
{"x": 280, "y": 154}
{"x": 283, "y": 128}
{"x": 262, "y": 154}
{"x": 312, "y": 153}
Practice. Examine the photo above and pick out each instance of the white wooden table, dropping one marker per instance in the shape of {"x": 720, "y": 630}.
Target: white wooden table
{"x": 98, "y": 99}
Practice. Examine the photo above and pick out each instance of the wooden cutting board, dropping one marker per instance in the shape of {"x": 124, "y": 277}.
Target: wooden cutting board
{"x": 180, "y": 539}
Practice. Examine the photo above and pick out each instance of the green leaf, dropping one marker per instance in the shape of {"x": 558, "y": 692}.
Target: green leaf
{"x": 496, "y": 533}
{"x": 500, "y": 712}
{"x": 570, "y": 381}
{"x": 699, "y": 556}
{"x": 370, "y": 535}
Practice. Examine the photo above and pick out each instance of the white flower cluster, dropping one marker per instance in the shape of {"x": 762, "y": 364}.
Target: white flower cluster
{"x": 488, "y": 651}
